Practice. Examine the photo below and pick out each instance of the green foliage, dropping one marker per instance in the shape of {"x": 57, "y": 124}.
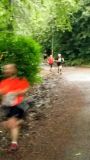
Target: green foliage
{"x": 75, "y": 62}
{"x": 36, "y": 18}
{"x": 43, "y": 20}
{"x": 76, "y": 44}
{"x": 22, "y": 51}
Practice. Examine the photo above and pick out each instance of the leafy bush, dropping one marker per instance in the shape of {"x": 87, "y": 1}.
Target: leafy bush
{"x": 24, "y": 52}
{"x": 77, "y": 62}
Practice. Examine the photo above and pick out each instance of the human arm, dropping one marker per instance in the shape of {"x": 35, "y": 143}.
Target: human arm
{"x": 23, "y": 88}
{"x": 22, "y": 92}
{"x": 63, "y": 60}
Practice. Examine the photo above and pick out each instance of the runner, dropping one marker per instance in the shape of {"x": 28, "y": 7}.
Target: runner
{"x": 13, "y": 91}
{"x": 51, "y": 61}
{"x": 60, "y": 61}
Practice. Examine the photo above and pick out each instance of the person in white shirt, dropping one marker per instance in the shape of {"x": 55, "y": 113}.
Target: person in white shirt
{"x": 60, "y": 61}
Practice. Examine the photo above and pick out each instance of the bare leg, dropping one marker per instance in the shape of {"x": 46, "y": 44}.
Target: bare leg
{"x": 61, "y": 69}
{"x": 13, "y": 125}
{"x": 51, "y": 67}
{"x": 15, "y": 134}
{"x": 58, "y": 69}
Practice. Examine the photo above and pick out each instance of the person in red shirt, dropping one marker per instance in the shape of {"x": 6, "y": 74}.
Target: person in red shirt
{"x": 13, "y": 90}
{"x": 51, "y": 61}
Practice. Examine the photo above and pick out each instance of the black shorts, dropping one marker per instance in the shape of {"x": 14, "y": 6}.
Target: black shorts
{"x": 51, "y": 65}
{"x": 59, "y": 64}
{"x": 14, "y": 111}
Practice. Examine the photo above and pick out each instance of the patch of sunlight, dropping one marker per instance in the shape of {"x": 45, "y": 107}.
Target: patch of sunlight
{"x": 79, "y": 77}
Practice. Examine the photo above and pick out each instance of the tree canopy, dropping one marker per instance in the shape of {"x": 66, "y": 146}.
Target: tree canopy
{"x": 76, "y": 44}
{"x": 37, "y": 17}
{"x": 64, "y": 21}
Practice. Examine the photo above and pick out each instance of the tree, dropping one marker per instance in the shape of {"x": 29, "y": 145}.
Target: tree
{"x": 40, "y": 19}
{"x": 75, "y": 44}
{"x": 22, "y": 50}
{"x": 37, "y": 17}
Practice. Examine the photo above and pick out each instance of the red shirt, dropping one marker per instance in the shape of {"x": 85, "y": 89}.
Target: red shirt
{"x": 50, "y": 60}
{"x": 13, "y": 85}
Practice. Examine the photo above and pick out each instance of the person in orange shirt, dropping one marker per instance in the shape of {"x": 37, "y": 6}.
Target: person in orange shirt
{"x": 51, "y": 61}
{"x": 13, "y": 90}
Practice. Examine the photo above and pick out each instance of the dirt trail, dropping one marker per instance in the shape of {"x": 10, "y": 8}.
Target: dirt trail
{"x": 81, "y": 142}
{"x": 63, "y": 132}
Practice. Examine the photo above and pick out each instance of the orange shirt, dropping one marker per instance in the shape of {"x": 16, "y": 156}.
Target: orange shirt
{"x": 50, "y": 60}
{"x": 13, "y": 85}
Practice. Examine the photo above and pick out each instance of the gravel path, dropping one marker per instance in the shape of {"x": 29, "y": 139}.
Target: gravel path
{"x": 59, "y": 129}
